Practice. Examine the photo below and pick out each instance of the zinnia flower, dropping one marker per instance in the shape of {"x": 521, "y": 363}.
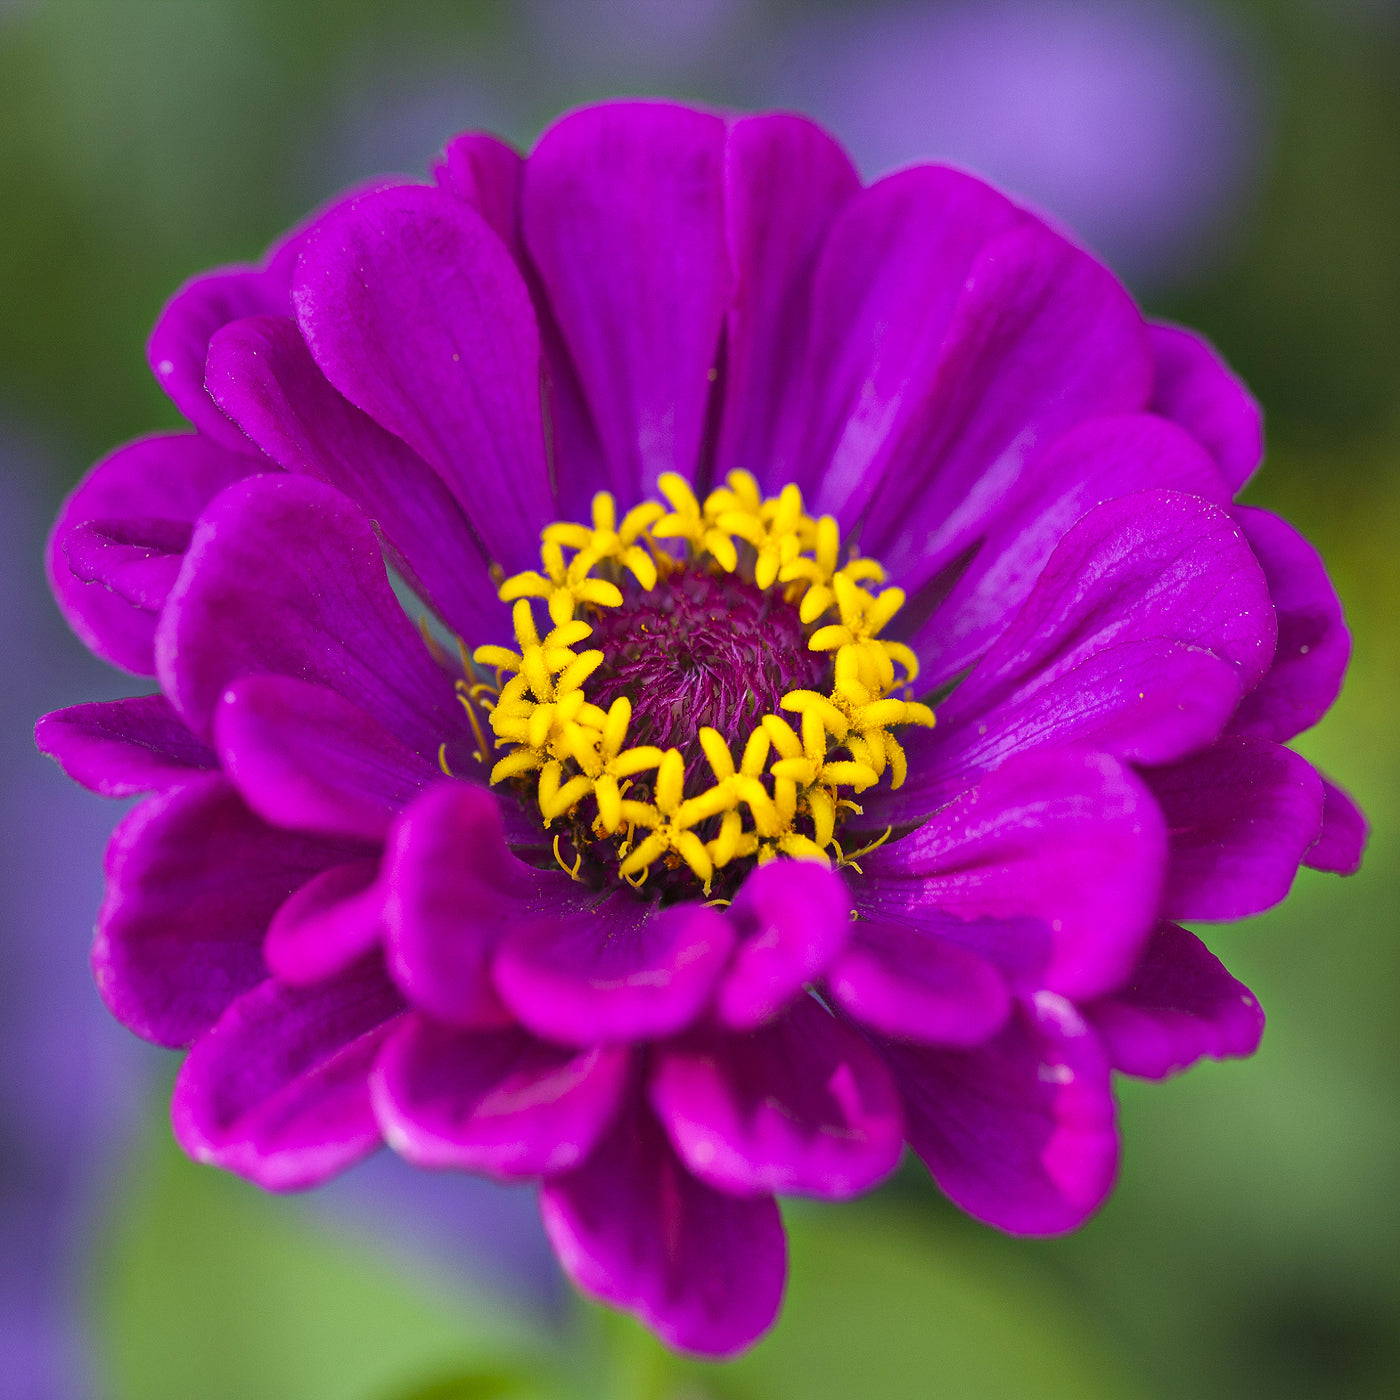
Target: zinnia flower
{"x": 848, "y": 666}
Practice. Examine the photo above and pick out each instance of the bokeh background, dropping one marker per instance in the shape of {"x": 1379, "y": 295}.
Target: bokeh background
{"x": 1239, "y": 164}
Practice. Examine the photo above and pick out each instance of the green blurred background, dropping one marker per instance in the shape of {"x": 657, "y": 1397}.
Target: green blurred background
{"x": 1253, "y": 1246}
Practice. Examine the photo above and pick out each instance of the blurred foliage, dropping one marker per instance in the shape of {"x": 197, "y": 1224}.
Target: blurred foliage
{"x": 203, "y": 1286}
{"x": 1253, "y": 1249}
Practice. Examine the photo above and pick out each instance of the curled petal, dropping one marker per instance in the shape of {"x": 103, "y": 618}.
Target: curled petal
{"x": 494, "y": 1101}
{"x": 1019, "y": 1132}
{"x": 285, "y": 576}
{"x": 1070, "y": 838}
{"x": 193, "y": 877}
{"x": 631, "y": 1226}
{"x": 1313, "y": 643}
{"x": 1242, "y": 815}
{"x": 116, "y": 546}
{"x": 123, "y": 747}
{"x": 1344, "y": 833}
{"x": 1179, "y": 1005}
{"x": 791, "y": 918}
{"x": 332, "y": 921}
{"x": 1196, "y": 388}
{"x": 452, "y": 891}
{"x": 913, "y": 984}
{"x": 278, "y": 1090}
{"x": 613, "y": 970}
{"x": 802, "y": 1105}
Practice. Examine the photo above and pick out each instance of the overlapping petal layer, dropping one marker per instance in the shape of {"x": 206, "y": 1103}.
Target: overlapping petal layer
{"x": 360, "y": 941}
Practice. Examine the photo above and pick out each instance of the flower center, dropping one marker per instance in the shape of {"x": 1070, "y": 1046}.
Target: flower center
{"x": 735, "y": 694}
{"x": 702, "y": 649}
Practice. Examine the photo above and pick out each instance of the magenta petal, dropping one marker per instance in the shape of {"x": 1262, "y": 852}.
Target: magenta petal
{"x": 1113, "y": 648}
{"x": 1179, "y": 1005}
{"x": 803, "y": 1105}
{"x": 416, "y": 312}
{"x": 704, "y": 1270}
{"x": 1019, "y": 1132}
{"x": 284, "y": 575}
{"x": 1095, "y": 462}
{"x": 1313, "y": 643}
{"x": 125, "y": 526}
{"x": 1042, "y": 338}
{"x": 785, "y": 180}
{"x": 1241, "y": 816}
{"x": 1156, "y": 564}
{"x": 1068, "y": 837}
{"x": 792, "y": 918}
{"x": 485, "y": 172}
{"x": 622, "y": 210}
{"x": 123, "y": 747}
{"x": 1196, "y": 388}
{"x": 499, "y": 1102}
{"x": 1344, "y": 831}
{"x": 278, "y": 1090}
{"x": 306, "y": 758}
{"x": 179, "y": 342}
{"x": 613, "y": 970}
{"x": 192, "y": 879}
{"x": 910, "y": 983}
{"x": 453, "y": 889}
{"x": 264, "y": 378}
{"x": 1144, "y": 702}
{"x": 332, "y": 921}
{"x": 889, "y": 276}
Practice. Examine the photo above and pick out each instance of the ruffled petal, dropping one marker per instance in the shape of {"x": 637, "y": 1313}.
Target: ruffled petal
{"x": 453, "y": 890}
{"x": 417, "y": 314}
{"x": 499, "y": 1102}
{"x": 263, "y": 376}
{"x": 1098, "y": 654}
{"x": 791, "y": 919}
{"x": 803, "y": 1105}
{"x": 1196, "y": 388}
{"x": 192, "y": 879}
{"x": 613, "y": 969}
{"x": 1313, "y": 643}
{"x": 330, "y": 923}
{"x": 1043, "y": 337}
{"x": 306, "y": 758}
{"x": 120, "y": 748}
{"x": 785, "y": 180}
{"x": 703, "y": 1269}
{"x": 278, "y": 1090}
{"x": 912, "y": 984}
{"x": 1071, "y": 838}
{"x": 1179, "y": 1005}
{"x": 284, "y": 575}
{"x": 1241, "y": 816}
{"x": 623, "y": 216}
{"x": 1344, "y": 832}
{"x": 116, "y": 546}
{"x": 1095, "y": 462}
{"x": 1019, "y": 1132}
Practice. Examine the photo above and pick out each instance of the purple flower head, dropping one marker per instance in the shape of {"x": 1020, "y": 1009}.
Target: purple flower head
{"x": 841, "y": 667}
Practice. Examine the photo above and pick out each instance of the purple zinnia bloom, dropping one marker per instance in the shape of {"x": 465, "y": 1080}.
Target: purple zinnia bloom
{"x": 664, "y": 888}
